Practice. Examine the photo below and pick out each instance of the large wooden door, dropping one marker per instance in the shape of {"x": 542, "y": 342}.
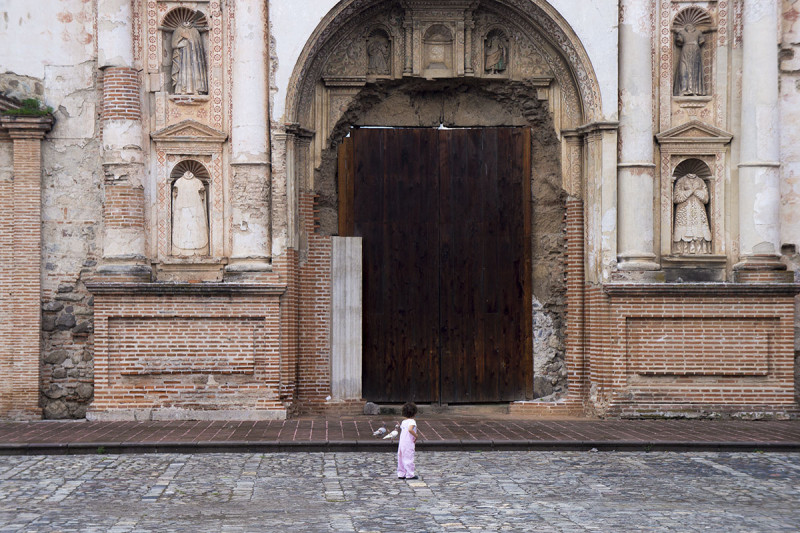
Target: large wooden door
{"x": 444, "y": 215}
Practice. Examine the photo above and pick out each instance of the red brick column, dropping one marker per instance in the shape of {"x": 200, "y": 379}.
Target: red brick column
{"x": 23, "y": 287}
{"x": 124, "y": 243}
{"x": 575, "y": 341}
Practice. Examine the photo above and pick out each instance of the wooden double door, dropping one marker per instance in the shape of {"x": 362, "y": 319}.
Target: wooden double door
{"x": 445, "y": 221}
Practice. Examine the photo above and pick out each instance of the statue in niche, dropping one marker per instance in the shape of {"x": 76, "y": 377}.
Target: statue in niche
{"x": 495, "y": 54}
{"x": 691, "y": 232}
{"x": 689, "y": 80}
{"x": 189, "y": 72}
{"x": 189, "y": 216}
{"x": 378, "y": 54}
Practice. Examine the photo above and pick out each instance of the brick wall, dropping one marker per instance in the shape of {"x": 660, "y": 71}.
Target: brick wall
{"x": 314, "y": 379}
{"x": 194, "y": 348}
{"x": 6, "y": 273}
{"x": 121, "y": 99}
{"x": 676, "y": 349}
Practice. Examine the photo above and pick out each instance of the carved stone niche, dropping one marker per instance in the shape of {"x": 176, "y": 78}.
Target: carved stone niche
{"x": 438, "y": 53}
{"x": 693, "y": 55}
{"x": 189, "y": 191}
{"x": 439, "y": 37}
{"x": 694, "y": 170}
{"x": 496, "y": 54}
{"x": 185, "y": 57}
{"x": 380, "y": 54}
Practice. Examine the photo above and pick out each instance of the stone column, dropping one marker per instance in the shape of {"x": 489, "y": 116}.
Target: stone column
{"x": 636, "y": 169}
{"x": 124, "y": 243}
{"x": 759, "y": 168}
{"x": 23, "y": 345}
{"x": 600, "y": 199}
{"x": 250, "y": 189}
{"x": 408, "y": 41}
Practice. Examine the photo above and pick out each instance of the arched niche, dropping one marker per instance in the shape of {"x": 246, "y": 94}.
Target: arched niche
{"x": 190, "y": 217}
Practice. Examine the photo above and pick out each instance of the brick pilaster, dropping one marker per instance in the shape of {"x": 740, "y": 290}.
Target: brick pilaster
{"x": 22, "y": 283}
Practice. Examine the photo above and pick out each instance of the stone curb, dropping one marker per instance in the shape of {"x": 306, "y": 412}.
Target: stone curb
{"x": 83, "y": 448}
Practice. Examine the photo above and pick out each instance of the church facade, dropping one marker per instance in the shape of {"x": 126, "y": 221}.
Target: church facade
{"x": 247, "y": 209}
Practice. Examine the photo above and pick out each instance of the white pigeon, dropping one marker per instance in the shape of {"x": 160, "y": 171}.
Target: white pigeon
{"x": 380, "y": 431}
{"x": 393, "y": 434}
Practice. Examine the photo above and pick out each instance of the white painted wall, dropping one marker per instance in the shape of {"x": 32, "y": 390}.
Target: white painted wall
{"x": 39, "y": 33}
{"x": 595, "y": 23}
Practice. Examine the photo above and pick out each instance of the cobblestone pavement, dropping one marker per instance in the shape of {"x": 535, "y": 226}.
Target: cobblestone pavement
{"x": 358, "y": 492}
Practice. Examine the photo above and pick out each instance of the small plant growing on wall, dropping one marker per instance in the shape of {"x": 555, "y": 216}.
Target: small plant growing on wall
{"x": 31, "y": 107}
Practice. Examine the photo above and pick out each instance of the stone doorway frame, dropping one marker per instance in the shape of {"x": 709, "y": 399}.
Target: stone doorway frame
{"x": 588, "y": 144}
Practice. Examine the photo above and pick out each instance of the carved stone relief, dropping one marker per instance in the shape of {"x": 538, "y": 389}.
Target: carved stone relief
{"x": 190, "y": 210}
{"x": 578, "y": 98}
{"x": 379, "y": 54}
{"x": 495, "y": 52}
{"x": 690, "y": 27}
{"x": 694, "y": 172}
{"x": 185, "y": 52}
{"x": 691, "y": 232}
{"x": 190, "y": 232}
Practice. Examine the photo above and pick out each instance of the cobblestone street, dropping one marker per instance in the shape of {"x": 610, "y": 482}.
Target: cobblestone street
{"x": 358, "y": 492}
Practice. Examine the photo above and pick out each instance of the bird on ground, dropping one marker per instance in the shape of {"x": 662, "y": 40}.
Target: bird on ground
{"x": 394, "y": 433}
{"x": 380, "y": 431}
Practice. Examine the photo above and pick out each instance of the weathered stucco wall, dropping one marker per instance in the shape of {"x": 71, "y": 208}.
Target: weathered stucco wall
{"x": 52, "y": 58}
{"x": 790, "y": 118}
{"x": 790, "y": 154}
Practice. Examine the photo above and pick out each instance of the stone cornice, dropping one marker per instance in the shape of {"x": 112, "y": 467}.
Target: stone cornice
{"x": 27, "y": 127}
{"x": 701, "y": 289}
{"x": 179, "y": 289}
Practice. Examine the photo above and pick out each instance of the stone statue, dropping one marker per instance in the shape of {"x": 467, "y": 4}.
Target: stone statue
{"x": 689, "y": 80}
{"x": 496, "y": 55}
{"x": 691, "y": 233}
{"x": 189, "y": 72}
{"x": 189, "y": 216}
{"x": 378, "y": 54}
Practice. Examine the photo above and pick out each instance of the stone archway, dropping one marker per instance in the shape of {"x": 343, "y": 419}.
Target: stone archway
{"x": 547, "y": 84}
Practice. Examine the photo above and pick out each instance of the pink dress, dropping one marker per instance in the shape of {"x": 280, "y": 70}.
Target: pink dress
{"x": 405, "y": 450}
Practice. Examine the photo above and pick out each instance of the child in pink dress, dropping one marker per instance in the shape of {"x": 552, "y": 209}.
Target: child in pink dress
{"x": 408, "y": 439}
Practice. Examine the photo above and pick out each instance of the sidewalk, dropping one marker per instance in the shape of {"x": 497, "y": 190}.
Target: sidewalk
{"x": 354, "y": 433}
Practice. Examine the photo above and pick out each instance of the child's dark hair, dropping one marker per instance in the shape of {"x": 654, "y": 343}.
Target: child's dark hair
{"x": 409, "y": 410}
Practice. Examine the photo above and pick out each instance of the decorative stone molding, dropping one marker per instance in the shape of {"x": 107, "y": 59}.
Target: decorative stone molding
{"x": 528, "y": 20}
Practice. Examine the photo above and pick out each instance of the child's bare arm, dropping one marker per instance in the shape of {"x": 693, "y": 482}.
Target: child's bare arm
{"x": 413, "y": 431}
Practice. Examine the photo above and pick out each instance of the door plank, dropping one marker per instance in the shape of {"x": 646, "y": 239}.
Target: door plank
{"x": 445, "y": 217}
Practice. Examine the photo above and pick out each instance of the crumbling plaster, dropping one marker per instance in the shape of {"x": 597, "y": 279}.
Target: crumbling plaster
{"x": 64, "y": 78}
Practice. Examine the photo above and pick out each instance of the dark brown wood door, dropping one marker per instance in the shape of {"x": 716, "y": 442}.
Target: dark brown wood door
{"x": 444, "y": 215}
